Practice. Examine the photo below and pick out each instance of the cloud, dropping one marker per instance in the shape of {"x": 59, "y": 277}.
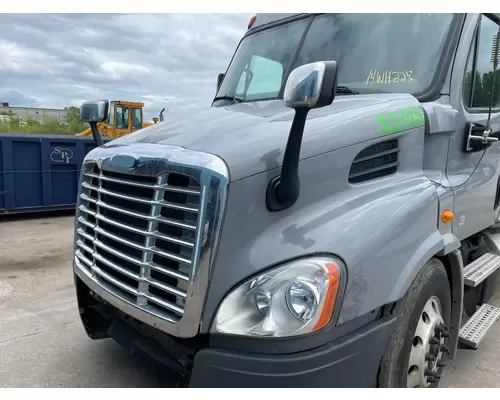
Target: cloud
{"x": 164, "y": 60}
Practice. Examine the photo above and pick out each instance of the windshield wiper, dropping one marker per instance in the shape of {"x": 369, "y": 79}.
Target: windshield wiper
{"x": 229, "y": 98}
{"x": 345, "y": 90}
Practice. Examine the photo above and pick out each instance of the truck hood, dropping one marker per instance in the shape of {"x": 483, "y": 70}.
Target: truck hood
{"x": 251, "y": 137}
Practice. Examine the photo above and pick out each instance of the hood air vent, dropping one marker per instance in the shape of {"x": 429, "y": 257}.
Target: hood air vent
{"x": 374, "y": 162}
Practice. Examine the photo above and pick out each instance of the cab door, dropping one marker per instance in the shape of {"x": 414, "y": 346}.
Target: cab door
{"x": 474, "y": 174}
{"x": 122, "y": 123}
{"x": 136, "y": 119}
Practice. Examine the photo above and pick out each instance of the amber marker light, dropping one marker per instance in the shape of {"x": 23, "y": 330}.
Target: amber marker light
{"x": 447, "y": 216}
{"x": 333, "y": 287}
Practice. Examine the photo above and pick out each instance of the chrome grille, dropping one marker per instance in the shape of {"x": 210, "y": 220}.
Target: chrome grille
{"x": 138, "y": 234}
{"x": 145, "y": 238}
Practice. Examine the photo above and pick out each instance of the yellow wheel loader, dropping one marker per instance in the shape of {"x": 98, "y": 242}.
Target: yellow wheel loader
{"x": 124, "y": 117}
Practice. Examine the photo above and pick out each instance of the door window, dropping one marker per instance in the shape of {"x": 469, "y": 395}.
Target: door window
{"x": 136, "y": 118}
{"x": 122, "y": 117}
{"x": 478, "y": 79}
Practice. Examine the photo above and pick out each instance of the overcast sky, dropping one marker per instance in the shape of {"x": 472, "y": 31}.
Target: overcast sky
{"x": 164, "y": 60}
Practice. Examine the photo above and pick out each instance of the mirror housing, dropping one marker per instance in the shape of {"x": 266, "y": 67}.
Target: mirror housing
{"x": 94, "y": 111}
{"x": 220, "y": 78}
{"x": 311, "y": 85}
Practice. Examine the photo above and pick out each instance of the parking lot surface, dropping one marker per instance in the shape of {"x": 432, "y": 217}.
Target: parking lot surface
{"x": 42, "y": 342}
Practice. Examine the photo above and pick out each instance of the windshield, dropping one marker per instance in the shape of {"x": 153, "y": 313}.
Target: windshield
{"x": 376, "y": 53}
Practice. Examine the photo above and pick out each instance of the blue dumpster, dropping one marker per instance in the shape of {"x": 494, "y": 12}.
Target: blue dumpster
{"x": 40, "y": 172}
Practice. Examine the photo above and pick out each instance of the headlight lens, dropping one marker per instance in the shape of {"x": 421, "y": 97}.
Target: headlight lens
{"x": 302, "y": 300}
{"x": 290, "y": 300}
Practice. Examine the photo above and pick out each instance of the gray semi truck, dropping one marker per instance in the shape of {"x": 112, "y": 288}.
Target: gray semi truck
{"x": 330, "y": 220}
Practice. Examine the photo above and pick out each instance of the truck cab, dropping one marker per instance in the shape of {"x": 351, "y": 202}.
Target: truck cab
{"x": 125, "y": 117}
{"x": 330, "y": 220}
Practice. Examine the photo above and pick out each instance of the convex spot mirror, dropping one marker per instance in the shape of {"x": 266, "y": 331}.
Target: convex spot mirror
{"x": 311, "y": 85}
{"x": 94, "y": 111}
{"x": 220, "y": 78}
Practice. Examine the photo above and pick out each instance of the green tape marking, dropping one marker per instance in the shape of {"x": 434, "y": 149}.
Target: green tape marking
{"x": 399, "y": 120}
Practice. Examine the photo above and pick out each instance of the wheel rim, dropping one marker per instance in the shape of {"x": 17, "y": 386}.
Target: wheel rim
{"x": 428, "y": 346}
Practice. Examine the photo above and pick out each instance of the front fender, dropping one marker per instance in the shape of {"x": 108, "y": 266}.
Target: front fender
{"x": 384, "y": 232}
{"x": 392, "y": 246}
{"x": 425, "y": 251}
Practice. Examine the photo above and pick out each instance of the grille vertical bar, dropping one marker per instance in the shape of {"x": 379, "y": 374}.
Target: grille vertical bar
{"x": 149, "y": 242}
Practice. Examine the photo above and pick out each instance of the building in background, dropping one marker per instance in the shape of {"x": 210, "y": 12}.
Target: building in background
{"x": 37, "y": 114}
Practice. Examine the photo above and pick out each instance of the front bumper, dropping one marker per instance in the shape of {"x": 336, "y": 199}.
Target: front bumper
{"x": 351, "y": 361}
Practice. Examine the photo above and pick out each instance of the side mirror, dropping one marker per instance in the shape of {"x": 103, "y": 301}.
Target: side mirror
{"x": 308, "y": 86}
{"x": 94, "y": 111}
{"x": 311, "y": 85}
{"x": 220, "y": 78}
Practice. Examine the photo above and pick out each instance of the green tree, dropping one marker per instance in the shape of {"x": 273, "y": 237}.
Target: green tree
{"x": 483, "y": 89}
{"x": 73, "y": 120}
{"x": 487, "y": 85}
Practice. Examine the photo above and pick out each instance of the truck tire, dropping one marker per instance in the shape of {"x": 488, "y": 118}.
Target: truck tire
{"x": 414, "y": 355}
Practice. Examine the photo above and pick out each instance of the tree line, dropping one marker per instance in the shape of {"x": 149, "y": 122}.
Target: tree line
{"x": 483, "y": 88}
{"x": 71, "y": 125}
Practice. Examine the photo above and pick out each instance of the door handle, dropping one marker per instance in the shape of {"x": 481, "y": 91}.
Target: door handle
{"x": 481, "y": 133}
{"x": 478, "y": 134}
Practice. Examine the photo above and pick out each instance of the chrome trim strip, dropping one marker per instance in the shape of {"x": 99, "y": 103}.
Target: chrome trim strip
{"x": 143, "y": 200}
{"x": 163, "y": 186}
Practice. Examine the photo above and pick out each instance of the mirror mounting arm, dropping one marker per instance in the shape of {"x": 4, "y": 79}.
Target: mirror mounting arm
{"x": 95, "y": 133}
{"x": 283, "y": 190}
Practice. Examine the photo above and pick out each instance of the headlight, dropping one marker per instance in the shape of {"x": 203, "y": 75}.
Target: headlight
{"x": 290, "y": 300}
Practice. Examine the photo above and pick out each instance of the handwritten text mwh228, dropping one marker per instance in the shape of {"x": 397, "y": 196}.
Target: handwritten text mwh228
{"x": 388, "y": 76}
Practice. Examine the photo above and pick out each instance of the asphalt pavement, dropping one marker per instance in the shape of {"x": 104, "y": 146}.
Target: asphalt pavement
{"x": 43, "y": 344}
